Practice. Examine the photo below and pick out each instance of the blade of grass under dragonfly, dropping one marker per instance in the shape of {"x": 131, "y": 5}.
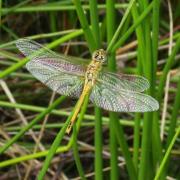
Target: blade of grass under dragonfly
{"x": 58, "y": 140}
{"x": 110, "y": 11}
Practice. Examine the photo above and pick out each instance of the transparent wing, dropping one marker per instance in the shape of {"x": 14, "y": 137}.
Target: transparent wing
{"x": 123, "y": 81}
{"x": 63, "y": 83}
{"x": 52, "y": 69}
{"x": 38, "y": 53}
{"x": 122, "y": 100}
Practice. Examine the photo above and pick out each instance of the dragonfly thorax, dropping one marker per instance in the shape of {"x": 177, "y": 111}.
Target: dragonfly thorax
{"x": 92, "y": 72}
{"x": 99, "y": 55}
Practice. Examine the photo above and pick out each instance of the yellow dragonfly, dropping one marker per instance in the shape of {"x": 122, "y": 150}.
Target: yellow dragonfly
{"x": 110, "y": 91}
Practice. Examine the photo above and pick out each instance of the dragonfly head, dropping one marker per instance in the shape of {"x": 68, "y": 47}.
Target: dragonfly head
{"x": 99, "y": 55}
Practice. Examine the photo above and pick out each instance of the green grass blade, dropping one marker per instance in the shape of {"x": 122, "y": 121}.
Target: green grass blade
{"x": 156, "y": 147}
{"x": 84, "y": 24}
{"x": 76, "y": 154}
{"x": 163, "y": 163}
{"x": 56, "y": 7}
{"x": 111, "y": 19}
{"x": 133, "y": 27}
{"x": 95, "y": 22}
{"x": 114, "y": 173}
{"x": 145, "y": 147}
{"x": 98, "y": 145}
{"x": 56, "y": 143}
{"x": 140, "y": 64}
{"x": 136, "y": 141}
{"x": 147, "y": 125}
{"x": 12, "y": 9}
{"x": 98, "y": 160}
{"x": 117, "y": 33}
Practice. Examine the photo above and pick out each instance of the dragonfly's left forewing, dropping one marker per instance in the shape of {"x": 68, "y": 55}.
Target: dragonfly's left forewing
{"x": 122, "y": 100}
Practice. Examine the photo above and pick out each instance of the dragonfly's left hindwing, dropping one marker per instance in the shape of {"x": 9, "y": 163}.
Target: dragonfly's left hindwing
{"x": 62, "y": 83}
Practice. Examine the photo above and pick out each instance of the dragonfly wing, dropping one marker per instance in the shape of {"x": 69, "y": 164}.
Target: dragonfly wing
{"x": 63, "y": 83}
{"x": 122, "y": 100}
{"x": 44, "y": 56}
{"x": 123, "y": 81}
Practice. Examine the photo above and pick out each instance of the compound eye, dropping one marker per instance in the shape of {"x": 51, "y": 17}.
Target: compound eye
{"x": 99, "y": 55}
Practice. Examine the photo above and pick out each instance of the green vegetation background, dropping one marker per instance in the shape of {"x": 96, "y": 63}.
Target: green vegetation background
{"x": 122, "y": 146}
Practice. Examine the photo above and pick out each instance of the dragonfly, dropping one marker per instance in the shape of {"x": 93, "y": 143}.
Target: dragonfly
{"x": 110, "y": 91}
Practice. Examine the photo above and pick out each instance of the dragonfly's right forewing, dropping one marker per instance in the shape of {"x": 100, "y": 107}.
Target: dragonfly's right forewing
{"x": 42, "y": 55}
